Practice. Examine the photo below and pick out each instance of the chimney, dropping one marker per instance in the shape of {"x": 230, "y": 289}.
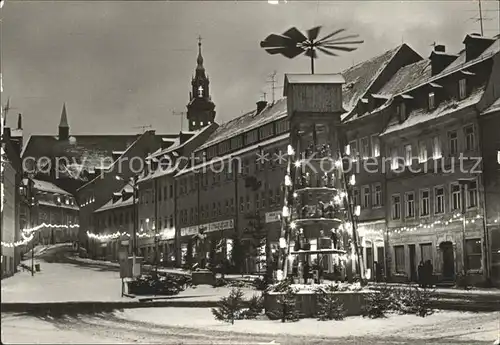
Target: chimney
{"x": 6, "y": 134}
{"x": 184, "y": 137}
{"x": 261, "y": 105}
{"x": 440, "y": 60}
{"x": 475, "y": 45}
{"x": 19, "y": 121}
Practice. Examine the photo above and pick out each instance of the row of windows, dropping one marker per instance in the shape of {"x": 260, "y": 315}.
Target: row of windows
{"x": 260, "y": 200}
{"x": 468, "y": 143}
{"x": 253, "y": 136}
{"x": 370, "y": 196}
{"x": 472, "y": 250}
{"x": 114, "y": 219}
{"x": 163, "y": 193}
{"x": 439, "y": 197}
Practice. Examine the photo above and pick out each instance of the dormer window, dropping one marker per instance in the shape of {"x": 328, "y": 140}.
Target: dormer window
{"x": 201, "y": 123}
{"x": 462, "y": 88}
{"x": 432, "y": 101}
{"x": 401, "y": 109}
{"x": 194, "y": 123}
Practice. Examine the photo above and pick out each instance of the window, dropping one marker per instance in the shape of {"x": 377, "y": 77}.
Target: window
{"x": 271, "y": 197}
{"x": 353, "y": 149}
{"x": 377, "y": 195}
{"x": 408, "y": 155}
{"x": 401, "y": 109}
{"x": 432, "y": 101}
{"x": 236, "y": 142}
{"x": 202, "y": 212}
{"x": 474, "y": 254}
{"x": 266, "y": 131}
{"x": 455, "y": 197}
{"x": 439, "y": 200}
{"x": 171, "y": 221}
{"x": 396, "y": 207}
{"x": 375, "y": 146}
{"x": 251, "y": 137}
{"x": 469, "y": 138}
{"x": 436, "y": 148}
{"x": 422, "y": 152}
{"x": 248, "y": 202}
{"x": 282, "y": 126}
{"x": 462, "y": 88}
{"x": 426, "y": 252}
{"x": 224, "y": 147}
{"x": 365, "y": 148}
{"x": 471, "y": 194}
{"x": 214, "y": 210}
{"x": 366, "y": 197}
{"x": 263, "y": 198}
{"x": 424, "y": 202}
{"x": 242, "y": 204}
{"x": 394, "y": 158}
{"x": 410, "y": 205}
{"x": 219, "y": 208}
{"x": 171, "y": 191}
{"x": 453, "y": 142}
{"x": 227, "y": 206}
{"x": 257, "y": 201}
{"x": 278, "y": 196}
{"x": 399, "y": 256}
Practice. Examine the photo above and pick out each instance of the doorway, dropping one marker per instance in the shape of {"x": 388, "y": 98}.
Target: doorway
{"x": 381, "y": 263}
{"x": 413, "y": 268}
{"x": 448, "y": 260}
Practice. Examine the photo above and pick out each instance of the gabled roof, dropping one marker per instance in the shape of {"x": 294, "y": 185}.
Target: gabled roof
{"x": 407, "y": 77}
{"x": 45, "y": 186}
{"x": 120, "y": 202}
{"x": 177, "y": 142}
{"x": 360, "y": 77}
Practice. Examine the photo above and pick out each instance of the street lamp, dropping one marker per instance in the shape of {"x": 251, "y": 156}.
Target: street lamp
{"x": 29, "y": 199}
{"x": 133, "y": 183}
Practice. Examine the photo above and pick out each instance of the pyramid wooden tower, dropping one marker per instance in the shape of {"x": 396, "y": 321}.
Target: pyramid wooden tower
{"x": 317, "y": 212}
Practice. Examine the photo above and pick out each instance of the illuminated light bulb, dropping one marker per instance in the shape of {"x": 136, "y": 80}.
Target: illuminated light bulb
{"x": 343, "y": 195}
{"x": 293, "y": 225}
{"x": 288, "y": 180}
{"x": 357, "y": 210}
{"x": 352, "y": 180}
{"x": 348, "y": 150}
{"x": 478, "y": 216}
{"x": 286, "y": 211}
{"x": 297, "y": 164}
{"x": 290, "y": 151}
{"x": 295, "y": 194}
{"x": 338, "y": 163}
{"x": 337, "y": 199}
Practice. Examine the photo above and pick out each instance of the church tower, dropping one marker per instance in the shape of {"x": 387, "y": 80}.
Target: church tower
{"x": 63, "y": 125}
{"x": 201, "y": 109}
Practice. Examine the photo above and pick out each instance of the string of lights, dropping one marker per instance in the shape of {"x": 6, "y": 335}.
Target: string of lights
{"x": 113, "y": 236}
{"x": 57, "y": 226}
{"x": 24, "y": 241}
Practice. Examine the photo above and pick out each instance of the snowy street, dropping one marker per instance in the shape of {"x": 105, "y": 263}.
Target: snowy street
{"x": 193, "y": 325}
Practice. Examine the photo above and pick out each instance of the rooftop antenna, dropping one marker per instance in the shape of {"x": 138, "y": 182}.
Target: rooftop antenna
{"x": 481, "y": 18}
{"x": 181, "y": 115}
{"x": 273, "y": 85}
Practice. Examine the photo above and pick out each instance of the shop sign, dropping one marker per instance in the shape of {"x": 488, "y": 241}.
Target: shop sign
{"x": 272, "y": 217}
{"x": 209, "y": 227}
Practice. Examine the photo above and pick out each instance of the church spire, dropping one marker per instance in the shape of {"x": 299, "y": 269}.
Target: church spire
{"x": 63, "y": 125}
{"x": 200, "y": 70}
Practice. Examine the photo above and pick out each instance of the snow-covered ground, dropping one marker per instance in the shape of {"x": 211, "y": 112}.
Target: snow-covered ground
{"x": 197, "y": 326}
{"x": 65, "y": 282}
{"x": 472, "y": 326}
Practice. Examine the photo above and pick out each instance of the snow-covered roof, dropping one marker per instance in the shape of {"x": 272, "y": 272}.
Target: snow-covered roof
{"x": 314, "y": 78}
{"x": 422, "y": 115}
{"x": 49, "y": 187}
{"x": 177, "y": 142}
{"x": 492, "y": 108}
{"x": 407, "y": 77}
{"x": 120, "y": 202}
{"x": 240, "y": 152}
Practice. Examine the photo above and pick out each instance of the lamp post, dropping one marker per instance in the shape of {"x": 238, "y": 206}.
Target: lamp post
{"x": 29, "y": 200}
{"x": 133, "y": 183}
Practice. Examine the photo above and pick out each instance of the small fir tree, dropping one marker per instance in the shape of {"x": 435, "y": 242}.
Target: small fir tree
{"x": 255, "y": 306}
{"x": 378, "y": 303}
{"x": 287, "y": 307}
{"x": 329, "y": 305}
{"x": 230, "y": 308}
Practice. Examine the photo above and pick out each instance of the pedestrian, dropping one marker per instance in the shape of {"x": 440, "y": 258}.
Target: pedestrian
{"x": 421, "y": 277}
{"x": 429, "y": 269}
